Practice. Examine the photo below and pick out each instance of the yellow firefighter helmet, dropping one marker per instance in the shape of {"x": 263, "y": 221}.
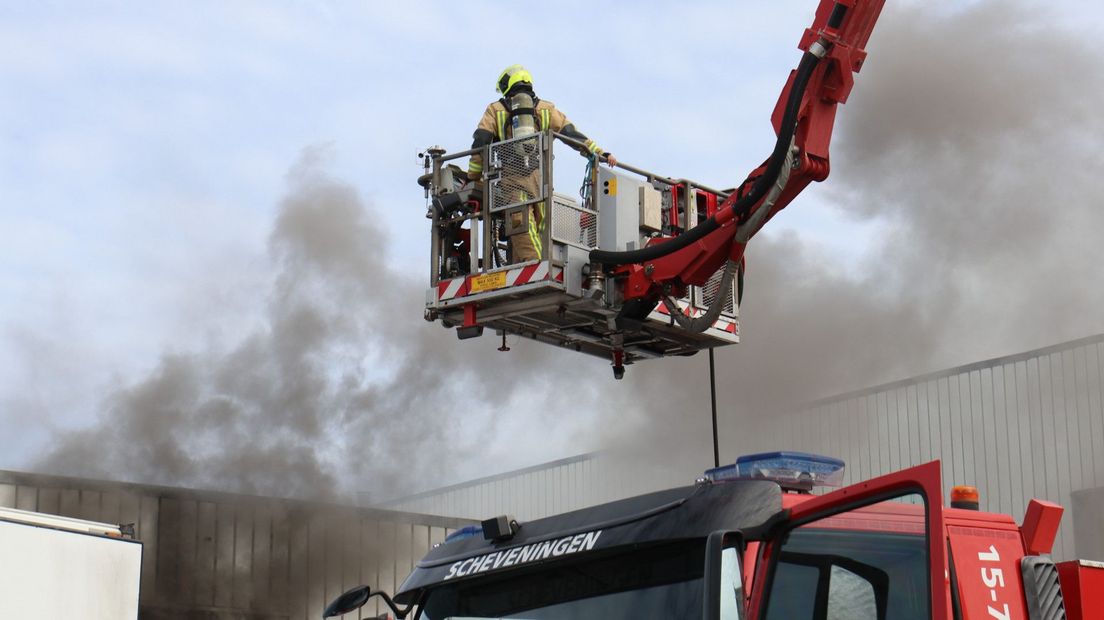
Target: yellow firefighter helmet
{"x": 512, "y": 75}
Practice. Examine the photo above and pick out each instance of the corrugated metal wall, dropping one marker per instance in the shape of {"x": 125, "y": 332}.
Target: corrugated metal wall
{"x": 1017, "y": 427}
{"x": 549, "y": 488}
{"x": 217, "y": 556}
{"x": 530, "y": 493}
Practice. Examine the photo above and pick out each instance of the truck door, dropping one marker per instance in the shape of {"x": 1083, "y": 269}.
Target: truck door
{"x": 871, "y": 551}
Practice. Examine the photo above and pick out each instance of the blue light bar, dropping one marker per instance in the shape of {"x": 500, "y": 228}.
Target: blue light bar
{"x": 468, "y": 531}
{"x": 792, "y": 470}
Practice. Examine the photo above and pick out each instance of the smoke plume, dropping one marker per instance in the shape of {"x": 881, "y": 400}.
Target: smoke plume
{"x": 969, "y": 145}
{"x": 343, "y": 389}
{"x": 973, "y": 141}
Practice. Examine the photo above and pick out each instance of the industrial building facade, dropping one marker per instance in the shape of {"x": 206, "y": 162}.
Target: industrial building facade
{"x": 220, "y": 556}
{"x": 1018, "y": 427}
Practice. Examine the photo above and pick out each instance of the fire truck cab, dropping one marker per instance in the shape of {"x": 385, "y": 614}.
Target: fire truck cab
{"x": 750, "y": 542}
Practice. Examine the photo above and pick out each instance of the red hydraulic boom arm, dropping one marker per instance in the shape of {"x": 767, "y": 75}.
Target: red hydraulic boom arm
{"x": 803, "y": 119}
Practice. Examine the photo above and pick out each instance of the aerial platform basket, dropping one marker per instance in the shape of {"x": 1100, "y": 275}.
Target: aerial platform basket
{"x": 562, "y": 298}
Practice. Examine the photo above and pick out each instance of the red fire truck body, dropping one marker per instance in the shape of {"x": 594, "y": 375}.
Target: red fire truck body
{"x": 986, "y": 551}
{"x": 746, "y": 548}
{"x": 993, "y": 568}
{"x": 1083, "y": 588}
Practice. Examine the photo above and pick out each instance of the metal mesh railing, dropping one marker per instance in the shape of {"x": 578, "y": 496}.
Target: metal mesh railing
{"x": 573, "y": 224}
{"x": 703, "y": 296}
{"x": 516, "y": 172}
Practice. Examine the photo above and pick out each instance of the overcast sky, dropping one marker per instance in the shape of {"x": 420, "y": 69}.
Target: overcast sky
{"x": 146, "y": 148}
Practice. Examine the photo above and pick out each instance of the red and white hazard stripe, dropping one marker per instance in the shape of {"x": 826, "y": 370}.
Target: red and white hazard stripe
{"x": 449, "y": 289}
{"x": 538, "y": 272}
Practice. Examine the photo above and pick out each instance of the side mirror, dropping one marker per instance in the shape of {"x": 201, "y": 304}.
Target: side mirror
{"x": 349, "y": 601}
{"x": 724, "y": 577}
{"x": 354, "y": 599}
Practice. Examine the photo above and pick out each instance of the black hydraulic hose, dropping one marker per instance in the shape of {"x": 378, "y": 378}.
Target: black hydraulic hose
{"x": 743, "y": 205}
{"x": 835, "y": 20}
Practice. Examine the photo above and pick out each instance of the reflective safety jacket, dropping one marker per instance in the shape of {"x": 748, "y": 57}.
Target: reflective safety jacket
{"x": 495, "y": 126}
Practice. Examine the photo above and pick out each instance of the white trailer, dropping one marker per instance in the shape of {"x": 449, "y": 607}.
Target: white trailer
{"x": 58, "y": 567}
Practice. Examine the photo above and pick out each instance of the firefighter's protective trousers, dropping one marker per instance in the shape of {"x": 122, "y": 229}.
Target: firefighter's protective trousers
{"x": 527, "y": 245}
{"x": 494, "y": 126}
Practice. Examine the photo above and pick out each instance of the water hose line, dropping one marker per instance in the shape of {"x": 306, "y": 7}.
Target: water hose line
{"x": 743, "y": 233}
{"x": 703, "y": 322}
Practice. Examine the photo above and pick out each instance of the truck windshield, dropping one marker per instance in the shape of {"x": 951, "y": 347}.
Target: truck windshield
{"x": 658, "y": 583}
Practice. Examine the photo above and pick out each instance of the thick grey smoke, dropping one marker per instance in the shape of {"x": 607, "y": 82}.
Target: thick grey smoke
{"x": 343, "y": 389}
{"x": 975, "y": 141}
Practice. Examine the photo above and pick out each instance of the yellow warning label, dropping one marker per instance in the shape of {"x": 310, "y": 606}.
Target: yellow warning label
{"x": 610, "y": 186}
{"x": 488, "y": 282}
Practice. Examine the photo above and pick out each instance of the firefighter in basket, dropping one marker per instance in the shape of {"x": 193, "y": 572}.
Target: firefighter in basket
{"x": 521, "y": 113}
